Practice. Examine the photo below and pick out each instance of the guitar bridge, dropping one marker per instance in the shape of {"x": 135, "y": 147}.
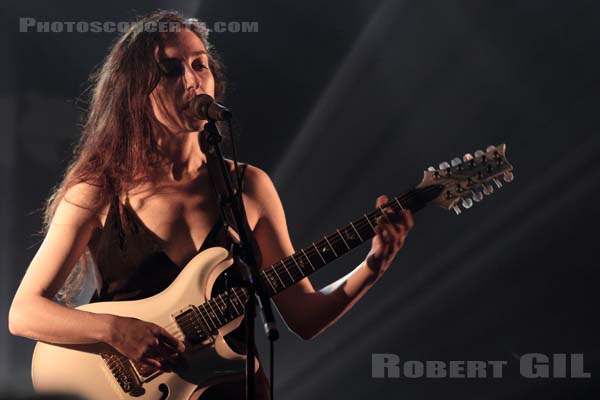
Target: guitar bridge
{"x": 122, "y": 371}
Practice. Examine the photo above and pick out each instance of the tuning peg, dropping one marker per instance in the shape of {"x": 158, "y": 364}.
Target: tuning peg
{"x": 490, "y": 149}
{"x": 467, "y": 157}
{"x": 431, "y": 169}
{"x": 497, "y": 182}
{"x": 456, "y": 209}
{"x": 477, "y": 196}
{"x": 508, "y": 176}
{"x": 467, "y": 202}
{"x": 479, "y": 154}
{"x": 455, "y": 161}
{"x": 444, "y": 165}
{"x": 487, "y": 189}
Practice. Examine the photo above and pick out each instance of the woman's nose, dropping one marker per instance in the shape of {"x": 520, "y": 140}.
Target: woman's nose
{"x": 191, "y": 80}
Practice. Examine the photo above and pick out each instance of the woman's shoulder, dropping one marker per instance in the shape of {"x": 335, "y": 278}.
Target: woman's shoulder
{"x": 261, "y": 191}
{"x": 86, "y": 199}
{"x": 255, "y": 179}
{"x": 252, "y": 174}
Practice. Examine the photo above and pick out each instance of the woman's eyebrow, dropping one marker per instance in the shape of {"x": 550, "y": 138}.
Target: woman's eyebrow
{"x": 192, "y": 54}
{"x": 167, "y": 59}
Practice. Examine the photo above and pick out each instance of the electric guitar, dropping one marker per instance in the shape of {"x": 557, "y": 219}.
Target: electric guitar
{"x": 186, "y": 309}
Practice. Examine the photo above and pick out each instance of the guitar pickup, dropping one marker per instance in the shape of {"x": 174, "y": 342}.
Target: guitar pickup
{"x": 194, "y": 329}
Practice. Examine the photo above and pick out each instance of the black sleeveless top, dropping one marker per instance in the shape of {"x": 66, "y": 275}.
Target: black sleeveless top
{"x": 133, "y": 264}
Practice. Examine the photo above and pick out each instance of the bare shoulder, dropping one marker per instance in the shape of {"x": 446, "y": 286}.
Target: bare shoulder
{"x": 259, "y": 186}
{"x": 84, "y": 203}
{"x": 256, "y": 179}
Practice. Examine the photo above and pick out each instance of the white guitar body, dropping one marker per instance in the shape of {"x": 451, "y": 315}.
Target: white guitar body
{"x": 81, "y": 370}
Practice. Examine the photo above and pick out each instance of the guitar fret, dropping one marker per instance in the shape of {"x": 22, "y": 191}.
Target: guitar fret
{"x": 339, "y": 233}
{"x": 238, "y": 297}
{"x": 232, "y": 303}
{"x": 216, "y": 301}
{"x": 385, "y": 215}
{"x": 226, "y": 307}
{"x": 319, "y": 253}
{"x": 327, "y": 251}
{"x": 195, "y": 313}
{"x": 330, "y": 246}
{"x": 399, "y": 204}
{"x": 372, "y": 227}
{"x": 295, "y": 262}
{"x": 308, "y": 259}
{"x": 206, "y": 319}
{"x": 276, "y": 274}
{"x": 212, "y": 309}
{"x": 240, "y": 303}
{"x": 353, "y": 227}
{"x": 286, "y": 270}
{"x": 243, "y": 298}
{"x": 269, "y": 280}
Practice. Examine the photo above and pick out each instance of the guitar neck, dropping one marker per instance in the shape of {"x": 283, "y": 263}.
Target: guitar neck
{"x": 276, "y": 278}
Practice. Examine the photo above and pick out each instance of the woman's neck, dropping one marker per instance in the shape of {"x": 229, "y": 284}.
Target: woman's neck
{"x": 184, "y": 156}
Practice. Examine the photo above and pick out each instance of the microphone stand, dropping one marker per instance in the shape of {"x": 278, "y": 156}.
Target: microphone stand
{"x": 245, "y": 256}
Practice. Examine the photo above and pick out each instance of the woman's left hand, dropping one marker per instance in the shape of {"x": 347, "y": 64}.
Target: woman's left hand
{"x": 390, "y": 236}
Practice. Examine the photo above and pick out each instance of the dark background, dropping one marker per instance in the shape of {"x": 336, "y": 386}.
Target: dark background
{"x": 339, "y": 102}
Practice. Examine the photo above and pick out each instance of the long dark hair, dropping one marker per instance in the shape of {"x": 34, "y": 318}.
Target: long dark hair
{"x": 118, "y": 146}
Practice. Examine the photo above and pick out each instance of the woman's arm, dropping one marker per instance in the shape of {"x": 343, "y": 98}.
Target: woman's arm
{"x": 33, "y": 314}
{"x": 307, "y": 311}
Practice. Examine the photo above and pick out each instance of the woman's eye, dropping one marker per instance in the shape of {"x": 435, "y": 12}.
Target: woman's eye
{"x": 198, "y": 65}
{"x": 171, "y": 68}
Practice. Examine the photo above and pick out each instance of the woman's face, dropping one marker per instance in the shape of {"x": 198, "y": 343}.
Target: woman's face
{"x": 184, "y": 62}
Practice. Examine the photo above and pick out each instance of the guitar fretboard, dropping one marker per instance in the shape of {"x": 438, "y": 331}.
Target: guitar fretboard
{"x": 229, "y": 305}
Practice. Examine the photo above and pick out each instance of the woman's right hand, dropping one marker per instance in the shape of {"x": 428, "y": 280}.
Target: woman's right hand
{"x": 145, "y": 343}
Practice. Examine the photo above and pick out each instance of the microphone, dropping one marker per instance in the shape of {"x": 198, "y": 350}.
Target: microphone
{"x": 204, "y": 106}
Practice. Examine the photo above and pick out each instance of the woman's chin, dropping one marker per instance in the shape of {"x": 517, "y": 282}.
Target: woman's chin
{"x": 189, "y": 124}
{"x": 196, "y": 124}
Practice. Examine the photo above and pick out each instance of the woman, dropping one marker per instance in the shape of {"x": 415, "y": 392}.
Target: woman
{"x": 137, "y": 201}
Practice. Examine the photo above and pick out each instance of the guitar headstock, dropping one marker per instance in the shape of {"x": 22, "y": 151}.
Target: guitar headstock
{"x": 468, "y": 179}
